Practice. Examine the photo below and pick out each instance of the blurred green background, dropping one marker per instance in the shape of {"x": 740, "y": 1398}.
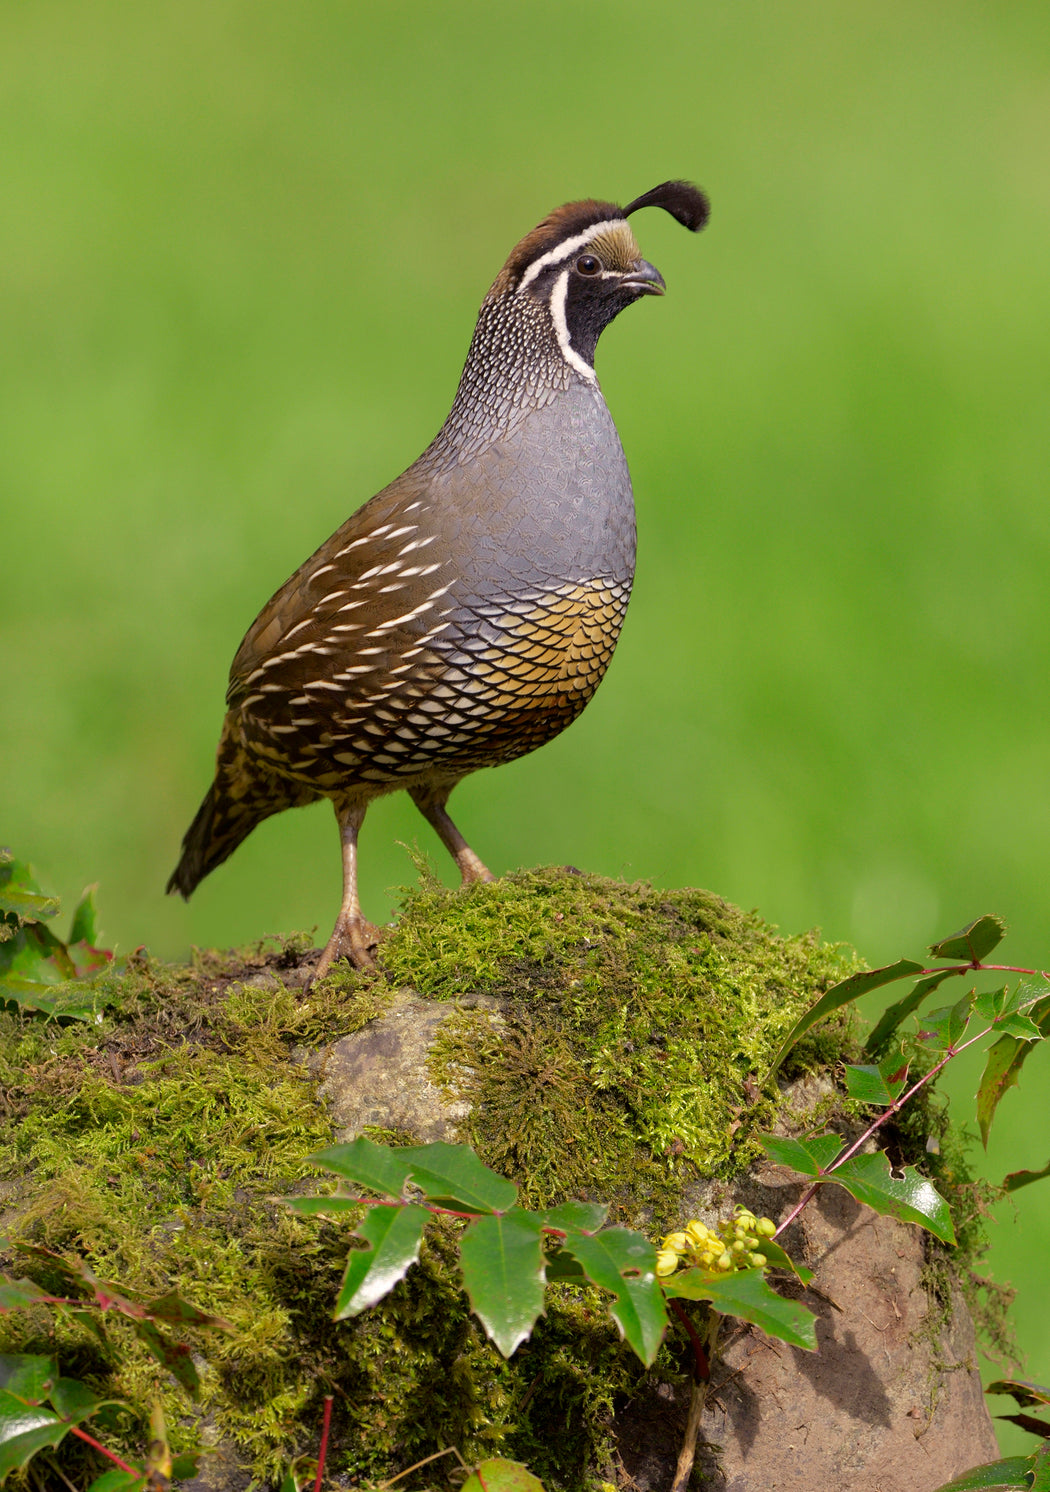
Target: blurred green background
{"x": 241, "y": 251}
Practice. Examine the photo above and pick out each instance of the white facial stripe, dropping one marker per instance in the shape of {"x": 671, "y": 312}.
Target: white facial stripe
{"x": 570, "y": 246}
{"x": 561, "y": 329}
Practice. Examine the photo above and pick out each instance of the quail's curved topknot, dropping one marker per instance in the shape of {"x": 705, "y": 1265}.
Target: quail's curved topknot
{"x": 686, "y": 203}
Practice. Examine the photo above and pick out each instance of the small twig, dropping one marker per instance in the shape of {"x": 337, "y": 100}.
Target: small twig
{"x": 687, "y": 1455}
{"x": 110, "y": 1455}
{"x": 326, "y": 1426}
{"x": 450, "y": 1450}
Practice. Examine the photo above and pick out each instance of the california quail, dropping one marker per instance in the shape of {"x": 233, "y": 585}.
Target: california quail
{"x": 467, "y": 613}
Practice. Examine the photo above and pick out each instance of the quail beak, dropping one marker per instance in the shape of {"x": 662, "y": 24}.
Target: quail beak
{"x": 645, "y": 279}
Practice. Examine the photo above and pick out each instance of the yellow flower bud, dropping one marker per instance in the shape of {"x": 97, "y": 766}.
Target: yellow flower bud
{"x": 765, "y": 1227}
{"x": 666, "y": 1262}
{"x": 724, "y": 1262}
{"x": 756, "y": 1260}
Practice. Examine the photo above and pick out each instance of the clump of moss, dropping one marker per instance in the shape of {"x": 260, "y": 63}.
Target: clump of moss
{"x": 634, "y": 1025}
{"x": 614, "y": 1056}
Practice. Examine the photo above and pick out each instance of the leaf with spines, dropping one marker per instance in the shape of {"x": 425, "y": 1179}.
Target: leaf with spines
{"x": 877, "y": 1084}
{"x": 812, "y": 1157}
{"x": 379, "y": 1168}
{"x": 393, "y": 1234}
{"x": 746, "y": 1293}
{"x": 452, "y": 1176}
{"x": 1004, "y": 1061}
{"x": 576, "y": 1217}
{"x": 943, "y": 1029}
{"x": 1017, "y": 1179}
{"x": 909, "y": 1197}
{"x": 972, "y": 943}
{"x": 502, "y": 1261}
{"x": 1024, "y": 1391}
{"x": 499, "y": 1475}
{"x": 20, "y": 896}
{"x": 624, "y": 1263}
{"x": 1012, "y": 1474}
{"x": 894, "y": 1016}
{"x": 841, "y": 994}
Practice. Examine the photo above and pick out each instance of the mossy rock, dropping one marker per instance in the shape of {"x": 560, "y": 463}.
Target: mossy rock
{"x": 609, "y": 1040}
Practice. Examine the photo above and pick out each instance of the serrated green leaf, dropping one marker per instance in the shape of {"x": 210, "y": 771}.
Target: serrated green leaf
{"x": 990, "y": 1004}
{"x": 171, "y": 1307}
{"x": 116, "y": 1480}
{"x": 1020, "y": 1026}
{"x": 973, "y": 942}
{"x": 502, "y": 1261}
{"x": 575, "y": 1217}
{"x": 174, "y": 1356}
{"x": 1001, "y": 1069}
{"x": 811, "y": 1157}
{"x": 879, "y": 1084}
{"x": 895, "y": 1015}
{"x": 27, "y": 1375}
{"x": 85, "y": 919}
{"x": 778, "y": 1258}
{"x": 910, "y": 1197}
{"x": 452, "y": 1176}
{"x": 841, "y": 994}
{"x": 20, "y": 895}
{"x": 322, "y": 1206}
{"x": 15, "y": 1295}
{"x": 1013, "y": 1474}
{"x": 378, "y": 1167}
{"x": 499, "y": 1475}
{"x": 24, "y": 1430}
{"x": 943, "y": 1029}
{"x": 1016, "y": 1179}
{"x": 1024, "y": 1390}
{"x": 1029, "y": 1422}
{"x": 73, "y": 1401}
{"x": 624, "y": 1263}
{"x": 562, "y": 1264}
{"x": 746, "y": 1293}
{"x": 393, "y": 1236}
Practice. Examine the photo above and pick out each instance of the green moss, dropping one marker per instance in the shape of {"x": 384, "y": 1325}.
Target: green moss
{"x": 609, "y": 1037}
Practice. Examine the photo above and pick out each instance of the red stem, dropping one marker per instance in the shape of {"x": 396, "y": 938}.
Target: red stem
{"x": 701, "y": 1364}
{"x": 83, "y": 1435}
{"x": 898, "y": 1103}
{"x": 324, "y": 1441}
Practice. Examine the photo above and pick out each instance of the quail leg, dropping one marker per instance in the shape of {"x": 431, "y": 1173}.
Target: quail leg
{"x": 352, "y": 937}
{"x": 431, "y": 803}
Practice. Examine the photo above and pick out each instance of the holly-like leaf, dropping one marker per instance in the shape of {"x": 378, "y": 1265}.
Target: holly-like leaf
{"x": 323, "y": 1206}
{"x": 562, "y": 1264}
{"x": 746, "y": 1293}
{"x": 378, "y": 1167}
{"x": 171, "y": 1307}
{"x": 15, "y": 1295}
{"x": 778, "y": 1258}
{"x": 452, "y": 1176}
{"x": 973, "y": 942}
{"x": 499, "y": 1475}
{"x": 172, "y": 1355}
{"x": 895, "y": 1015}
{"x": 624, "y": 1263}
{"x": 1012, "y": 1474}
{"x": 575, "y": 1217}
{"x": 909, "y": 1197}
{"x": 502, "y": 1261}
{"x": 841, "y": 994}
{"x": 811, "y": 1157}
{"x": 85, "y": 919}
{"x": 393, "y": 1235}
{"x": 1001, "y": 1068}
{"x": 116, "y": 1480}
{"x": 27, "y": 1375}
{"x": 943, "y": 1029}
{"x": 1024, "y": 1391}
{"x": 24, "y": 1430}
{"x": 879, "y": 1085}
{"x": 1017, "y": 1179}
{"x": 19, "y": 893}
{"x": 1028, "y": 1422}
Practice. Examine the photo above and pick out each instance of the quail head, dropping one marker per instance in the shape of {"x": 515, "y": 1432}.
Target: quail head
{"x": 467, "y": 613}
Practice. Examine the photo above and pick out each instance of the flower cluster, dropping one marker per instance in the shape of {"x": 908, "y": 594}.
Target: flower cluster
{"x": 734, "y": 1244}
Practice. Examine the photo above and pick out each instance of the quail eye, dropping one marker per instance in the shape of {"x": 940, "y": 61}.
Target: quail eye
{"x": 587, "y": 264}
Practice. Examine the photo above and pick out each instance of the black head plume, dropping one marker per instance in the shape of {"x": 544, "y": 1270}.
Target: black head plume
{"x": 686, "y": 203}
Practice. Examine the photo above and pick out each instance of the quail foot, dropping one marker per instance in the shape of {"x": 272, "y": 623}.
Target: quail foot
{"x": 467, "y": 613}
